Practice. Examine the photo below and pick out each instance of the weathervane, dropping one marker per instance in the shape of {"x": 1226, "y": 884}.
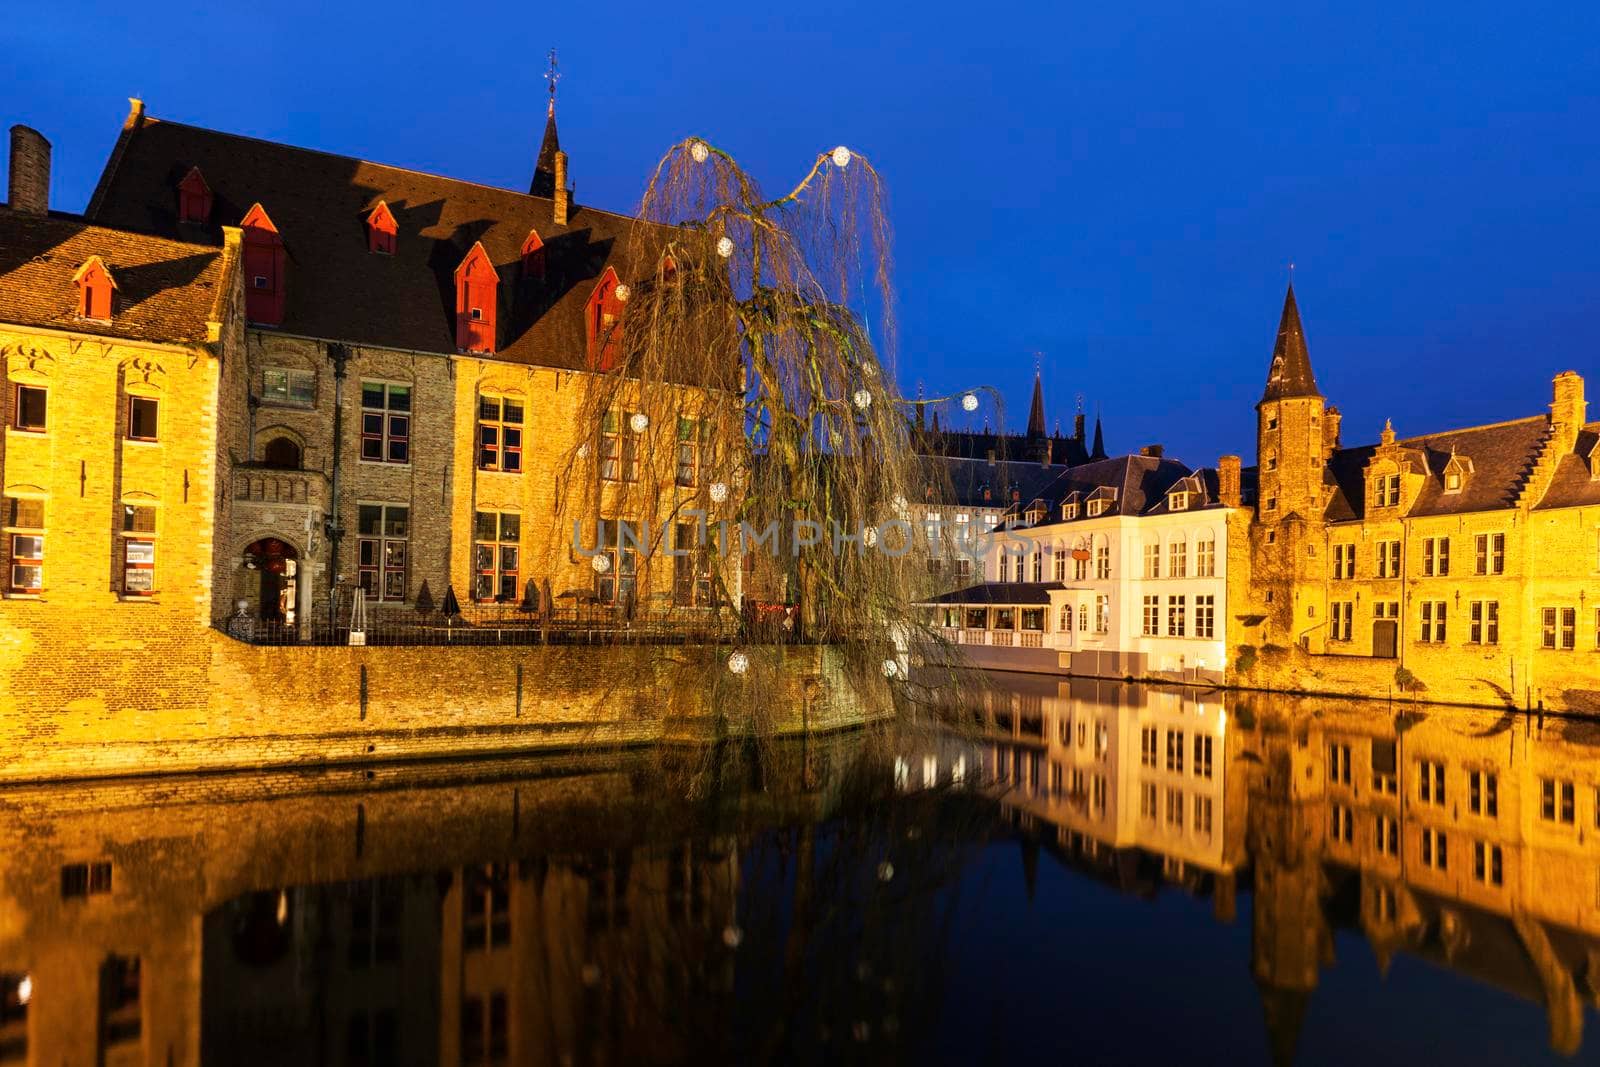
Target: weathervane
{"x": 552, "y": 76}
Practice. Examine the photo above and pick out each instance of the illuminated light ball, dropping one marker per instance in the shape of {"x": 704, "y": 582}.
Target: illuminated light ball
{"x": 622, "y": 292}
{"x": 583, "y": 450}
{"x": 869, "y": 370}
{"x": 863, "y": 399}
{"x": 885, "y": 871}
{"x": 841, "y": 156}
{"x": 738, "y": 663}
{"x": 732, "y": 936}
{"x": 719, "y": 492}
{"x": 900, "y": 503}
{"x": 725, "y": 247}
{"x": 699, "y": 151}
{"x": 25, "y": 989}
{"x": 591, "y": 974}
{"x": 640, "y": 422}
{"x": 891, "y": 669}
{"x": 969, "y": 402}
{"x": 600, "y": 563}
{"x": 869, "y": 536}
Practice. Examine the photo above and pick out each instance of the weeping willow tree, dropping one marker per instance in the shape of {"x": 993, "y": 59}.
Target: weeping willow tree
{"x": 743, "y": 410}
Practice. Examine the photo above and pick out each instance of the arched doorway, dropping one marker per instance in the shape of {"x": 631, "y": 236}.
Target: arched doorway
{"x": 282, "y": 453}
{"x": 278, "y": 567}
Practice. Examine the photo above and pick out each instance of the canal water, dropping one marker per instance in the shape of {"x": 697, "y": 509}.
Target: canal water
{"x": 1058, "y": 872}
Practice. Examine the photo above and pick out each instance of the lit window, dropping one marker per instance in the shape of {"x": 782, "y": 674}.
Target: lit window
{"x": 619, "y": 448}
{"x": 1178, "y": 559}
{"x": 499, "y": 434}
{"x": 385, "y": 423}
{"x": 496, "y": 553}
{"x": 619, "y": 582}
{"x": 138, "y": 550}
{"x": 24, "y": 538}
{"x": 383, "y": 535}
{"x": 1178, "y": 501}
{"x": 1176, "y": 613}
{"x": 693, "y": 436}
{"x": 280, "y": 385}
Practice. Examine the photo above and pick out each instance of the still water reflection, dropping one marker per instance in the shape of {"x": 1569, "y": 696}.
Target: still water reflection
{"x": 1085, "y": 871}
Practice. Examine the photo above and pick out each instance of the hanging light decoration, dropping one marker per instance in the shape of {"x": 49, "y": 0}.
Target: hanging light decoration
{"x": 885, "y": 871}
{"x": 719, "y": 492}
{"x": 25, "y": 990}
{"x": 891, "y": 669}
{"x": 738, "y": 663}
{"x": 601, "y": 563}
{"x": 841, "y": 157}
{"x": 622, "y": 292}
{"x": 732, "y": 935}
{"x": 863, "y": 399}
{"x": 725, "y": 247}
{"x": 900, "y": 504}
{"x": 583, "y": 450}
{"x": 699, "y": 151}
{"x": 969, "y": 402}
{"x": 639, "y": 422}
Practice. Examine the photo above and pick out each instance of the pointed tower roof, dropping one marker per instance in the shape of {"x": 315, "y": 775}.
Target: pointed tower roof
{"x": 1290, "y": 373}
{"x": 1099, "y": 450}
{"x": 544, "y": 169}
{"x": 1036, "y": 412}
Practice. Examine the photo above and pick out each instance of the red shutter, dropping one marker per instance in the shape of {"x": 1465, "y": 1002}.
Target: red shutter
{"x": 603, "y": 320}
{"x": 94, "y": 284}
{"x": 382, "y": 230}
{"x": 194, "y": 197}
{"x": 477, "y": 293}
{"x": 533, "y": 257}
{"x": 265, "y": 289}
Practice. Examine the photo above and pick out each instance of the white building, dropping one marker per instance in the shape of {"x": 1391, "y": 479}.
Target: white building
{"x": 1117, "y": 568}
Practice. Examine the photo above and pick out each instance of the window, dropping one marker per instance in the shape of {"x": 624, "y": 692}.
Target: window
{"x": 1339, "y": 764}
{"x": 1175, "y": 751}
{"x": 1389, "y": 491}
{"x": 1176, "y": 611}
{"x": 1147, "y": 801}
{"x": 1069, "y": 511}
{"x": 1452, "y": 482}
{"x": 1388, "y": 559}
{"x": 1386, "y": 835}
{"x": 1080, "y": 568}
{"x": 1178, "y": 559}
{"x": 499, "y": 434}
{"x": 1205, "y": 557}
{"x": 1175, "y": 809}
{"x": 1433, "y": 618}
{"x": 1435, "y": 849}
{"x": 1344, "y": 561}
{"x": 619, "y": 448}
{"x": 85, "y": 879}
{"x": 1386, "y": 609}
{"x": 1202, "y": 755}
{"x": 29, "y": 408}
{"x": 1147, "y": 747}
{"x": 1343, "y": 614}
{"x": 1430, "y": 782}
{"x": 496, "y": 555}
{"x": 1083, "y": 618}
{"x": 1272, "y": 422}
{"x": 1178, "y": 501}
{"x": 691, "y": 572}
{"x": 1490, "y": 557}
{"x": 1272, "y": 503}
{"x": 385, "y": 423}
{"x": 1486, "y": 864}
{"x": 1096, "y": 507}
{"x": 1102, "y": 614}
{"x": 138, "y": 550}
{"x": 383, "y": 532}
{"x": 1436, "y": 557}
{"x": 1038, "y": 565}
{"x": 1557, "y": 801}
{"x": 1205, "y": 616}
{"x": 1342, "y": 823}
{"x": 619, "y": 582}
{"x": 1272, "y": 463}
{"x": 1483, "y": 794}
{"x": 1102, "y": 560}
{"x": 1384, "y": 778}
{"x": 1152, "y": 616}
{"x": 1202, "y": 816}
{"x": 693, "y": 437}
{"x": 1097, "y": 796}
{"x": 1152, "y": 561}
{"x": 1559, "y": 628}
{"x": 381, "y": 230}
{"x": 142, "y": 418}
{"x": 1485, "y": 625}
{"x": 1058, "y": 564}
{"x": 295, "y": 388}
{"x": 24, "y": 536}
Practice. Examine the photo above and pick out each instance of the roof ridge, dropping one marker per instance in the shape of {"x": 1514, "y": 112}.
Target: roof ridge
{"x": 1420, "y": 438}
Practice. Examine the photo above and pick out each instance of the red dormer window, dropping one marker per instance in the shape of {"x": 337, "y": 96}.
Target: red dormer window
{"x": 94, "y": 284}
{"x": 265, "y": 291}
{"x": 533, "y": 257}
{"x": 603, "y": 318}
{"x": 194, "y": 197}
{"x": 381, "y": 230}
{"x": 477, "y": 292}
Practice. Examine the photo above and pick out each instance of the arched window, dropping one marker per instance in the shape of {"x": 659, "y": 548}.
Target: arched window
{"x": 282, "y": 453}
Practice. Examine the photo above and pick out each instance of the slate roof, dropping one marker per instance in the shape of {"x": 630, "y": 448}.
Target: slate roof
{"x": 1503, "y": 454}
{"x": 1140, "y": 481}
{"x": 1000, "y": 593}
{"x": 1573, "y": 485}
{"x": 336, "y": 288}
{"x": 1202, "y": 488}
{"x": 1290, "y": 374}
{"x": 970, "y": 444}
{"x": 964, "y": 480}
{"x": 166, "y": 291}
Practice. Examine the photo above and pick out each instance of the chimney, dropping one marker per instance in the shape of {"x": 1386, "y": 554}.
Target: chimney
{"x": 30, "y": 171}
{"x": 1153, "y": 451}
{"x": 1077, "y": 428}
{"x": 1228, "y": 481}
{"x": 1568, "y": 412}
{"x": 1330, "y": 430}
{"x": 563, "y": 196}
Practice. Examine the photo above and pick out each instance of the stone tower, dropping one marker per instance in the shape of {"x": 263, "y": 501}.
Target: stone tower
{"x": 1292, "y": 442}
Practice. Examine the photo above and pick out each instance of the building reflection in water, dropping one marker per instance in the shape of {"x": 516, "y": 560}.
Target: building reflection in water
{"x": 792, "y": 903}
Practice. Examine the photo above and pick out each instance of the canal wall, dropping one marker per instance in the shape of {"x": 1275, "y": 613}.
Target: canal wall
{"x": 257, "y": 707}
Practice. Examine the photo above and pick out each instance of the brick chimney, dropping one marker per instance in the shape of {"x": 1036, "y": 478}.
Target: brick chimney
{"x": 30, "y": 171}
{"x": 1153, "y": 451}
{"x": 1228, "y": 481}
{"x": 1569, "y": 411}
{"x": 563, "y": 197}
{"x": 1330, "y": 430}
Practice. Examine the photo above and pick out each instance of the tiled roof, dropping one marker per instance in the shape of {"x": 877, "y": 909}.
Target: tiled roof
{"x": 339, "y": 290}
{"x": 1000, "y": 593}
{"x": 165, "y": 290}
{"x": 1573, "y": 484}
{"x": 1502, "y": 455}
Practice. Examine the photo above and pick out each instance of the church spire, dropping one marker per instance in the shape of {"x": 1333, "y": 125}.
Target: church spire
{"x": 1099, "y": 451}
{"x": 1290, "y": 373}
{"x": 544, "y": 169}
{"x": 1036, "y": 412}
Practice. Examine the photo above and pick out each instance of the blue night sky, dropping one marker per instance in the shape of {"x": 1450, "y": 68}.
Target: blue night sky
{"x": 1119, "y": 186}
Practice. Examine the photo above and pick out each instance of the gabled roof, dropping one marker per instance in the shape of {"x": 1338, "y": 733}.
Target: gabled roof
{"x": 167, "y": 291}
{"x": 1502, "y": 454}
{"x": 1202, "y": 487}
{"x": 1574, "y": 484}
{"x": 337, "y": 289}
{"x": 965, "y": 479}
{"x": 1289, "y": 374}
{"x": 1137, "y": 481}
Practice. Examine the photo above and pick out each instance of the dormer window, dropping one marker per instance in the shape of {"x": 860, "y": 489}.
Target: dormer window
{"x": 604, "y": 322}
{"x": 382, "y": 230}
{"x": 1035, "y": 514}
{"x": 1096, "y": 507}
{"x": 264, "y": 263}
{"x": 533, "y": 257}
{"x": 1452, "y": 482}
{"x": 1178, "y": 501}
{"x": 477, "y": 290}
{"x": 95, "y": 285}
{"x": 1069, "y": 511}
{"x": 1389, "y": 491}
{"x": 1456, "y": 472}
{"x": 194, "y": 198}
